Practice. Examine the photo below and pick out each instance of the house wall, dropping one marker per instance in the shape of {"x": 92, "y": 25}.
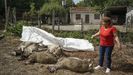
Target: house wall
{"x": 91, "y": 18}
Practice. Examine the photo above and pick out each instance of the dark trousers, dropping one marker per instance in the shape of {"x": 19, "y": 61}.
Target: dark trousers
{"x": 105, "y": 50}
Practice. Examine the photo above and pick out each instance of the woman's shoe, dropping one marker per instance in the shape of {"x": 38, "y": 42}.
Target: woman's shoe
{"x": 97, "y": 67}
{"x": 108, "y": 70}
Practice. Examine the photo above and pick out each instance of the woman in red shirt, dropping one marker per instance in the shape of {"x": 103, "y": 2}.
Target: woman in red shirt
{"x": 108, "y": 34}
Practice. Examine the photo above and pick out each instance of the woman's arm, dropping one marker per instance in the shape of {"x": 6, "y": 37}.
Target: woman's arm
{"x": 117, "y": 40}
{"x": 97, "y": 34}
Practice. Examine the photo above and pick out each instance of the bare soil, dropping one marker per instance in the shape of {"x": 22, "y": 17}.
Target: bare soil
{"x": 122, "y": 61}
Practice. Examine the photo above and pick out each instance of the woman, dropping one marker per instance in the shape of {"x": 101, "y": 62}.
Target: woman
{"x": 108, "y": 35}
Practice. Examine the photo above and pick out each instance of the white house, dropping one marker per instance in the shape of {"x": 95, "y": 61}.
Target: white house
{"x": 89, "y": 16}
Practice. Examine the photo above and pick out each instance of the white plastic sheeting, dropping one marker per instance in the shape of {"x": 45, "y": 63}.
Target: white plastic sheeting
{"x": 33, "y": 34}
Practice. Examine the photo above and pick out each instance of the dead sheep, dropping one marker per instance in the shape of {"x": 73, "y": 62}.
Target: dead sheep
{"x": 73, "y": 64}
{"x": 20, "y": 48}
{"x": 34, "y": 47}
{"x": 41, "y": 57}
{"x": 55, "y": 50}
{"x": 26, "y": 48}
{"x": 50, "y": 56}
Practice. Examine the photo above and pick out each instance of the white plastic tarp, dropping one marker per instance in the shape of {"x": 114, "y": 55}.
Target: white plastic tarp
{"x": 33, "y": 34}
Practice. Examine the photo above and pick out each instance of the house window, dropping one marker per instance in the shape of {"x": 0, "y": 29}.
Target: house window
{"x": 78, "y": 16}
{"x": 87, "y": 18}
{"x": 96, "y": 16}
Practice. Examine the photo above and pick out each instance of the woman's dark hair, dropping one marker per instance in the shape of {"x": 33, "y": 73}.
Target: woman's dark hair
{"x": 106, "y": 19}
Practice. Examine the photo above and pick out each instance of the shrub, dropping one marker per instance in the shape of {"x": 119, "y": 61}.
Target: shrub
{"x": 16, "y": 29}
{"x": 77, "y": 34}
{"x": 126, "y": 37}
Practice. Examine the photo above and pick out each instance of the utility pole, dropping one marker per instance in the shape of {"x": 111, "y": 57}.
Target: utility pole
{"x": 6, "y": 16}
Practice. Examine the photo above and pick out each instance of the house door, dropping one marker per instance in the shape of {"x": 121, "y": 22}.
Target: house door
{"x": 86, "y": 18}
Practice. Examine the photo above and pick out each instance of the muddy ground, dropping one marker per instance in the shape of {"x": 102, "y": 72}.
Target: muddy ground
{"x": 9, "y": 65}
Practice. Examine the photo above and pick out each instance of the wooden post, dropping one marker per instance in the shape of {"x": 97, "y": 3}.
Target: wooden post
{"x": 14, "y": 15}
{"x": 53, "y": 21}
{"x": 58, "y": 24}
{"x": 82, "y": 27}
{"x": 39, "y": 24}
{"x": 67, "y": 18}
{"x": 131, "y": 21}
{"x": 126, "y": 23}
{"x": 6, "y": 16}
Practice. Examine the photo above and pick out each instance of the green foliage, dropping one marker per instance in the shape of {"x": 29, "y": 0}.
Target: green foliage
{"x": 81, "y": 4}
{"x": 120, "y": 2}
{"x": 126, "y": 37}
{"x": 1, "y": 5}
{"x": 49, "y": 8}
{"x": 2, "y": 9}
{"x": 77, "y": 34}
{"x": 100, "y": 5}
{"x": 69, "y": 3}
{"x": 32, "y": 11}
{"x": 56, "y": 6}
{"x": 16, "y": 29}
{"x": 68, "y": 34}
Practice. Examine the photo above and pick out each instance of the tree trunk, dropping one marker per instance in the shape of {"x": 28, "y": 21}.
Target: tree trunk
{"x": 6, "y": 16}
{"x": 131, "y": 21}
{"x": 58, "y": 24}
{"x": 67, "y": 18}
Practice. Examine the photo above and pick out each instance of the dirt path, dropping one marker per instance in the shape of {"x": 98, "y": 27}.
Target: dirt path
{"x": 9, "y": 65}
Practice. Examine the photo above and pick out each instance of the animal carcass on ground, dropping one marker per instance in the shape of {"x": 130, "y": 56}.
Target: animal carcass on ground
{"x": 73, "y": 64}
{"x": 26, "y": 48}
{"x": 50, "y": 56}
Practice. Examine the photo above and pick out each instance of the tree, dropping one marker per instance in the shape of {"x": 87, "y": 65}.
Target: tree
{"x": 48, "y": 8}
{"x": 120, "y": 2}
{"x": 101, "y": 5}
{"x": 69, "y": 3}
{"x": 85, "y": 3}
{"x": 32, "y": 11}
{"x": 1, "y": 7}
{"x": 6, "y": 15}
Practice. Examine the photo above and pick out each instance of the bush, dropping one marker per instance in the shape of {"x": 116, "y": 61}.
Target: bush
{"x": 126, "y": 37}
{"x": 77, "y": 34}
{"x": 16, "y": 29}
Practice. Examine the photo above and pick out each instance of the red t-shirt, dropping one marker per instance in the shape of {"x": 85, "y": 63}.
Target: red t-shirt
{"x": 107, "y": 36}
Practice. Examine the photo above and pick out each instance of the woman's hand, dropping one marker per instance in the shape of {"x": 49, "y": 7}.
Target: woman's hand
{"x": 117, "y": 41}
{"x": 92, "y": 36}
{"x": 119, "y": 47}
{"x": 97, "y": 34}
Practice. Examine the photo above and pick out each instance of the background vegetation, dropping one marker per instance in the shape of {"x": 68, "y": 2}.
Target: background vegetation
{"x": 32, "y": 8}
